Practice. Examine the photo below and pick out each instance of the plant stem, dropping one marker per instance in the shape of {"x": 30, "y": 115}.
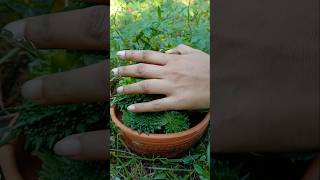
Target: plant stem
{"x": 10, "y": 54}
{"x": 189, "y": 19}
{"x": 170, "y": 169}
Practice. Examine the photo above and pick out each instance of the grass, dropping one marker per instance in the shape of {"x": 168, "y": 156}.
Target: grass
{"x": 125, "y": 164}
{"x": 158, "y": 25}
{"x": 263, "y": 166}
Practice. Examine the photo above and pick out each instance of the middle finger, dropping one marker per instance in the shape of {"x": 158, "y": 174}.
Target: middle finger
{"x": 77, "y": 29}
{"x": 140, "y": 70}
{"x": 86, "y": 84}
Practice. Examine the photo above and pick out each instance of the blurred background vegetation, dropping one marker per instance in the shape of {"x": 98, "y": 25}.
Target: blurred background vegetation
{"x": 158, "y": 25}
{"x": 43, "y": 126}
{"x": 135, "y": 24}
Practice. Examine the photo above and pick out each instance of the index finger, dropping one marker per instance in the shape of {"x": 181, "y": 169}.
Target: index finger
{"x": 85, "y": 29}
{"x": 146, "y": 56}
{"x": 85, "y": 146}
{"x": 86, "y": 84}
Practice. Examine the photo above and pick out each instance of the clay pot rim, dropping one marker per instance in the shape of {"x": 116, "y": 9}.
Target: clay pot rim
{"x": 9, "y": 165}
{"x": 189, "y": 132}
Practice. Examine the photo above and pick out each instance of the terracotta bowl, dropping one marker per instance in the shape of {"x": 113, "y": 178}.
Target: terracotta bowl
{"x": 15, "y": 162}
{"x": 164, "y": 145}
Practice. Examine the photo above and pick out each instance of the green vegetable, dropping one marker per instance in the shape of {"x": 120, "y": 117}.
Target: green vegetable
{"x": 175, "y": 121}
{"x": 160, "y": 122}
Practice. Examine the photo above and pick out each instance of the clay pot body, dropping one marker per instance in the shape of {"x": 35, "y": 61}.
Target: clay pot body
{"x": 164, "y": 145}
{"x": 16, "y": 163}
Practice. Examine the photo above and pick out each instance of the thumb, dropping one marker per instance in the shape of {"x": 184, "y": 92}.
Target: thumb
{"x": 86, "y": 146}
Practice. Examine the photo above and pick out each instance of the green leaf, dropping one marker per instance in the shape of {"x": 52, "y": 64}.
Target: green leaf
{"x": 160, "y": 176}
{"x": 159, "y": 13}
{"x": 190, "y": 159}
{"x": 198, "y": 169}
{"x": 208, "y": 155}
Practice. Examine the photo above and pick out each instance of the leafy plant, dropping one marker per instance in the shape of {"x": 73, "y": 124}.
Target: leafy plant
{"x": 161, "y": 122}
{"x": 175, "y": 121}
{"x": 55, "y": 167}
{"x": 43, "y": 126}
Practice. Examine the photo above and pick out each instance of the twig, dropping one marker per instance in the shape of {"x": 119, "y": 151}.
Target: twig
{"x": 1, "y": 97}
{"x": 125, "y": 152}
{"x": 131, "y": 155}
{"x": 6, "y": 117}
{"x": 143, "y": 158}
{"x": 66, "y": 3}
{"x": 10, "y": 54}
{"x": 189, "y": 4}
{"x": 14, "y": 117}
{"x": 170, "y": 169}
{"x": 124, "y": 144}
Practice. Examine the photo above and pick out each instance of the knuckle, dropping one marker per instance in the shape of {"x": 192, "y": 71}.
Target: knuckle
{"x": 96, "y": 23}
{"x": 156, "y": 106}
{"x": 140, "y": 69}
{"x": 121, "y": 70}
{"x": 40, "y": 29}
{"x": 176, "y": 75}
{"x": 128, "y": 54}
{"x": 146, "y": 54}
{"x": 144, "y": 86}
{"x": 51, "y": 86}
{"x": 179, "y": 99}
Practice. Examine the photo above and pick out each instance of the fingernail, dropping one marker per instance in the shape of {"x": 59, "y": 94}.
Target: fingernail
{"x": 17, "y": 28}
{"x": 115, "y": 71}
{"x": 131, "y": 108}
{"x": 69, "y": 146}
{"x": 32, "y": 89}
{"x": 121, "y": 54}
{"x": 120, "y": 90}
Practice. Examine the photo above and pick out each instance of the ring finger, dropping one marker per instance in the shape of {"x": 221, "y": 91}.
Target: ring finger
{"x": 150, "y": 86}
{"x": 139, "y": 70}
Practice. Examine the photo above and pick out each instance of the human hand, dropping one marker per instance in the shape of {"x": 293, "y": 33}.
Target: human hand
{"x": 182, "y": 74}
{"x": 78, "y": 29}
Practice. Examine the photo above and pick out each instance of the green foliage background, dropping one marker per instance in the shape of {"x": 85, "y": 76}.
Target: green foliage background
{"x": 158, "y": 25}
